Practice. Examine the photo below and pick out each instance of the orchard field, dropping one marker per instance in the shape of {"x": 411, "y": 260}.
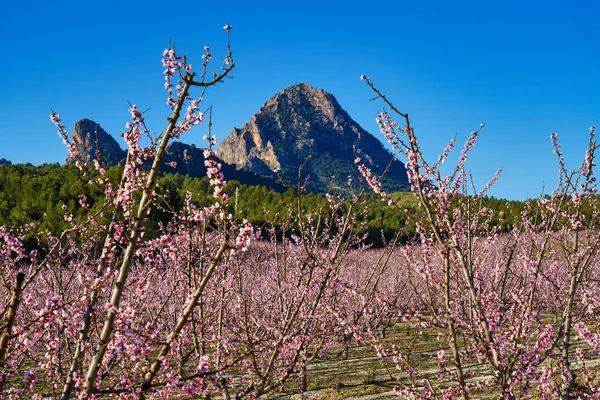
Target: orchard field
{"x": 214, "y": 307}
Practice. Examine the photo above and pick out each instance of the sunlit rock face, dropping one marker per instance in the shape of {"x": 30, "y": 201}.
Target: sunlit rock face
{"x": 90, "y": 140}
{"x": 304, "y": 126}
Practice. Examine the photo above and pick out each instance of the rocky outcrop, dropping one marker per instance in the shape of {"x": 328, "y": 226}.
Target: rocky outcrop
{"x": 91, "y": 140}
{"x": 189, "y": 160}
{"x": 4, "y": 162}
{"x": 302, "y": 123}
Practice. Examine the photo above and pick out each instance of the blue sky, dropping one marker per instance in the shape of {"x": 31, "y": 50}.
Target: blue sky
{"x": 524, "y": 68}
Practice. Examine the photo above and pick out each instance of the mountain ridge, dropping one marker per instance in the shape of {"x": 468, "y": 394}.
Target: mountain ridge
{"x": 299, "y": 128}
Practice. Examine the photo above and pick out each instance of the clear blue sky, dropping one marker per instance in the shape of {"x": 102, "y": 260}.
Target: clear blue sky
{"x": 524, "y": 68}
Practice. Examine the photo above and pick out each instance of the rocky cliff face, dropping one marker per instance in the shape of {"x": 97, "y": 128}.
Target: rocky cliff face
{"x": 4, "y": 161}
{"x": 303, "y": 123}
{"x": 90, "y": 139}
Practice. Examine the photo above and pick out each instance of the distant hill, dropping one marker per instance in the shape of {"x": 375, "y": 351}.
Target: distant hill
{"x": 4, "y": 161}
{"x": 300, "y": 124}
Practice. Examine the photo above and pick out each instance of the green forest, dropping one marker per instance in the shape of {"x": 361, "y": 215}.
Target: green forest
{"x": 36, "y": 194}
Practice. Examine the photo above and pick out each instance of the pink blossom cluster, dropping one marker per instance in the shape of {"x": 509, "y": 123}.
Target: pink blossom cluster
{"x": 64, "y": 135}
{"x": 371, "y": 179}
{"x": 591, "y": 338}
{"x": 245, "y": 236}
{"x": 213, "y": 171}
{"x": 193, "y": 116}
{"x": 173, "y": 64}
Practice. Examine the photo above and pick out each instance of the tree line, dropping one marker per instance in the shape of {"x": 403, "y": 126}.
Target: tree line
{"x": 36, "y": 195}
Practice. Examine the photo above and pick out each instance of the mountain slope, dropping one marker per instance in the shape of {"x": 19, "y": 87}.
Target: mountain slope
{"x": 302, "y": 124}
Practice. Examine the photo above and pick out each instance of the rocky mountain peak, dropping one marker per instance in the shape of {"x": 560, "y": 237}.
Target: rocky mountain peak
{"x": 90, "y": 139}
{"x": 302, "y": 122}
{"x": 4, "y": 161}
